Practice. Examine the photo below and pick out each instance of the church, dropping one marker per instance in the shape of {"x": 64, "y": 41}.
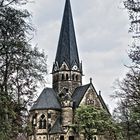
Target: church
{"x": 53, "y": 112}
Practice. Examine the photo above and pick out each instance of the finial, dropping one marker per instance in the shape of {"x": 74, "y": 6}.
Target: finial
{"x": 90, "y": 80}
{"x": 99, "y": 92}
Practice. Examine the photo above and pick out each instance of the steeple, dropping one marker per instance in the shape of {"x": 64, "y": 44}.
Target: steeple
{"x": 67, "y": 47}
{"x": 67, "y": 70}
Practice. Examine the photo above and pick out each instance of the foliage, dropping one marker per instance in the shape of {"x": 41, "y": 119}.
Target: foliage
{"x": 5, "y": 3}
{"x": 21, "y": 68}
{"x": 134, "y": 55}
{"x": 127, "y": 114}
{"x": 127, "y": 91}
{"x": 94, "y": 121}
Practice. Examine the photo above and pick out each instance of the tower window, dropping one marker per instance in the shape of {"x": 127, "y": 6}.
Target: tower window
{"x": 42, "y": 122}
{"x": 61, "y": 137}
{"x": 73, "y": 77}
{"x": 63, "y": 77}
{"x": 95, "y": 138}
{"x": 67, "y": 77}
{"x": 77, "y": 78}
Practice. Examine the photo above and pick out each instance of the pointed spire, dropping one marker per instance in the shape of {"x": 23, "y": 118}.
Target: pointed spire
{"x": 67, "y": 47}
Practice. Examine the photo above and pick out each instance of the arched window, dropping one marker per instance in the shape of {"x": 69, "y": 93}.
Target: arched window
{"x": 77, "y": 78}
{"x": 42, "y": 122}
{"x": 67, "y": 77}
{"x": 94, "y": 138}
{"x": 73, "y": 77}
{"x": 34, "y": 120}
{"x": 63, "y": 77}
{"x": 61, "y": 137}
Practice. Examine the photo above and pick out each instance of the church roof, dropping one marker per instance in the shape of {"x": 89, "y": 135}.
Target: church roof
{"x": 67, "y": 47}
{"x": 103, "y": 103}
{"x": 57, "y": 128}
{"x": 79, "y": 94}
{"x": 47, "y": 100}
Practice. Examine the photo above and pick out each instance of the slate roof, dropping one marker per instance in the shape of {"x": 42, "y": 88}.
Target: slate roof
{"x": 57, "y": 128}
{"x": 47, "y": 100}
{"x": 103, "y": 103}
{"x": 67, "y": 47}
{"x": 79, "y": 94}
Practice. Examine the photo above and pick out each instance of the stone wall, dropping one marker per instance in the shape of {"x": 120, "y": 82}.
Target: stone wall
{"x": 66, "y": 79}
{"x": 67, "y": 116}
{"x": 91, "y": 98}
{"x": 50, "y": 117}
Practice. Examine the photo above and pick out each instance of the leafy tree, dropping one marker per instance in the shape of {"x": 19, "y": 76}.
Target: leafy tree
{"x": 93, "y": 121}
{"x": 21, "y": 68}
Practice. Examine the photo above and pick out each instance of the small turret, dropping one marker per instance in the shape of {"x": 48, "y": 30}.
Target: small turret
{"x": 67, "y": 107}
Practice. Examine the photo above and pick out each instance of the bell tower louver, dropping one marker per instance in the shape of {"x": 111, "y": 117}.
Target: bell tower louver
{"x": 67, "y": 69}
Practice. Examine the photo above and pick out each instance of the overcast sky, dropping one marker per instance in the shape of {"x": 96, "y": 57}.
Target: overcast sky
{"x": 102, "y": 36}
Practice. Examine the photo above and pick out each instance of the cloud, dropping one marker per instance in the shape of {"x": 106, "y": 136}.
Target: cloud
{"x": 102, "y": 38}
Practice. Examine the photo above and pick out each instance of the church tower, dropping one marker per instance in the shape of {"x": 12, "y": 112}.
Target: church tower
{"x": 67, "y": 69}
{"x": 53, "y": 113}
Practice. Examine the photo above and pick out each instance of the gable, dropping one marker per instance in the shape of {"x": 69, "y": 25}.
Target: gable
{"x": 91, "y": 97}
{"x": 87, "y": 95}
{"x": 64, "y": 66}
